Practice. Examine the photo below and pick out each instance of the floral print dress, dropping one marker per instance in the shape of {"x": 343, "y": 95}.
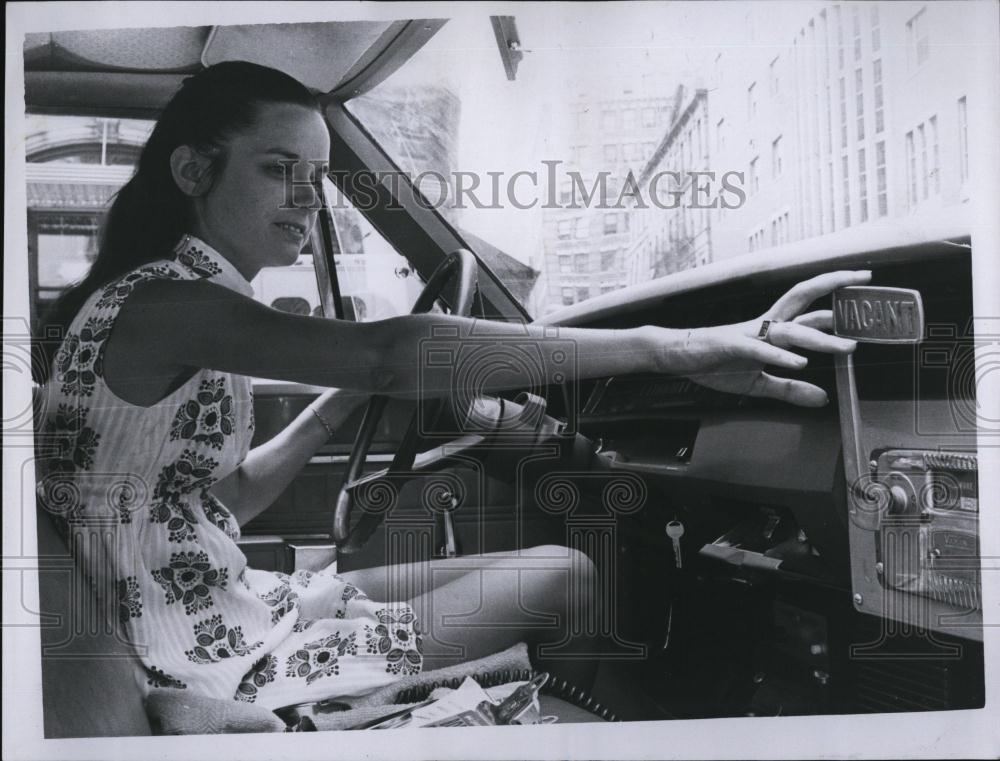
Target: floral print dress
{"x": 131, "y": 486}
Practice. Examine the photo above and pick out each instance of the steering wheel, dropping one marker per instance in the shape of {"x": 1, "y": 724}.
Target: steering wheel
{"x": 460, "y": 266}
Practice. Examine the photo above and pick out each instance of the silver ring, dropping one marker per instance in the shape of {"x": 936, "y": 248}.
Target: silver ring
{"x": 765, "y": 328}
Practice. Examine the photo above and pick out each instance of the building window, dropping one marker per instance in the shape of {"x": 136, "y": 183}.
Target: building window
{"x": 917, "y": 40}
{"x": 840, "y": 37}
{"x": 911, "y": 170}
{"x": 582, "y": 293}
{"x": 610, "y": 224}
{"x": 879, "y": 101}
{"x": 963, "y": 139}
{"x": 649, "y": 117}
{"x": 609, "y": 121}
{"x": 876, "y": 36}
{"x": 566, "y": 191}
{"x": 845, "y": 168}
{"x": 935, "y": 156}
{"x": 581, "y": 264}
{"x": 608, "y": 260}
{"x": 776, "y": 157}
{"x": 832, "y": 200}
{"x": 610, "y": 153}
{"x": 856, "y": 21}
{"x": 567, "y": 296}
{"x": 565, "y": 264}
{"x": 752, "y": 100}
{"x": 607, "y": 289}
{"x": 774, "y": 232}
{"x": 843, "y": 113}
{"x": 775, "y": 77}
{"x": 565, "y": 229}
{"x": 582, "y": 229}
{"x": 628, "y": 119}
{"x": 880, "y": 178}
{"x": 859, "y": 102}
{"x": 581, "y": 121}
{"x": 922, "y": 136}
{"x": 828, "y": 108}
{"x": 754, "y": 178}
{"x": 862, "y": 185}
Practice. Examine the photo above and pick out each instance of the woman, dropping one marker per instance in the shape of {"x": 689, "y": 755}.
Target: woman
{"x": 149, "y": 400}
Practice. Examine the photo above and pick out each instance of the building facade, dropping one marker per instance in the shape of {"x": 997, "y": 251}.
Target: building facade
{"x": 585, "y": 242}
{"x": 836, "y": 115}
{"x": 669, "y": 230}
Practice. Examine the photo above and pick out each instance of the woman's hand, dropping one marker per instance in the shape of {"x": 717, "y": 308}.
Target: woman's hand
{"x": 732, "y": 358}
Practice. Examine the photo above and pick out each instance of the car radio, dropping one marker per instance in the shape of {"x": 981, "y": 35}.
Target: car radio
{"x": 929, "y": 534}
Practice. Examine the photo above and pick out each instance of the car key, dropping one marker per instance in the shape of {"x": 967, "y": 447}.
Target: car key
{"x": 675, "y": 530}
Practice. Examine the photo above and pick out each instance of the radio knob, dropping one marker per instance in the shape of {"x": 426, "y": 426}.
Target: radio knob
{"x": 899, "y": 499}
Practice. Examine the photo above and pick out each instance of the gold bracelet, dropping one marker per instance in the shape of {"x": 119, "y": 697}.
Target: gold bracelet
{"x": 326, "y": 425}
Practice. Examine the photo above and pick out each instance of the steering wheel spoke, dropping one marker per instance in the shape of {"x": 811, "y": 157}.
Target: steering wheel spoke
{"x": 462, "y": 267}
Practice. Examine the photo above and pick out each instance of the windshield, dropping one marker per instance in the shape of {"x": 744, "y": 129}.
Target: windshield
{"x": 641, "y": 140}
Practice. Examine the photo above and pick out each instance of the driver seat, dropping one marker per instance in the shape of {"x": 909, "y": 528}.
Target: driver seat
{"x": 89, "y": 686}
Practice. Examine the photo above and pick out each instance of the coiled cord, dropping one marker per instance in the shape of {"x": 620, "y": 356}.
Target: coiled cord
{"x": 554, "y": 686}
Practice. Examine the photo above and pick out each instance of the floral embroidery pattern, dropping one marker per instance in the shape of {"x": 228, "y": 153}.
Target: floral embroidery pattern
{"x": 351, "y": 592}
{"x": 115, "y": 294}
{"x": 175, "y": 482}
{"x": 80, "y": 360}
{"x": 189, "y": 579}
{"x": 219, "y": 515}
{"x": 206, "y": 419}
{"x": 215, "y": 642}
{"x": 395, "y": 638}
{"x": 157, "y": 678}
{"x": 282, "y": 599}
{"x": 320, "y": 658}
{"x": 263, "y": 672}
{"x": 129, "y": 600}
{"x": 302, "y": 578}
{"x": 302, "y": 624}
{"x": 198, "y": 262}
{"x": 75, "y": 442}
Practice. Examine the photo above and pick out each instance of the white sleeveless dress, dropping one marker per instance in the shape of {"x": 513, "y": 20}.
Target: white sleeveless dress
{"x": 131, "y": 486}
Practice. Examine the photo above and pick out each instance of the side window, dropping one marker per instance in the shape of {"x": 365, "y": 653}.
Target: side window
{"x": 75, "y": 165}
{"x": 376, "y": 282}
{"x": 295, "y": 288}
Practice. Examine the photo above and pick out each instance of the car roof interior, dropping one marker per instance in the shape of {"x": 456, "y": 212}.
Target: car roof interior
{"x": 133, "y": 72}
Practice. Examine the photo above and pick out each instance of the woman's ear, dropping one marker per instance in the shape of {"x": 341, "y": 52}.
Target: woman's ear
{"x": 190, "y": 170}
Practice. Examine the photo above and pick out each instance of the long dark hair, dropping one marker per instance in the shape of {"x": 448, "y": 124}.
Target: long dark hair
{"x": 150, "y": 213}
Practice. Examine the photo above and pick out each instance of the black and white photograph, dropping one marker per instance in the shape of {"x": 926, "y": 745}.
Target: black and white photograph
{"x": 400, "y": 375}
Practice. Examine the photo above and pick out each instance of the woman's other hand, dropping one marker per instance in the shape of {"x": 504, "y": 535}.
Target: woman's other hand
{"x": 732, "y": 358}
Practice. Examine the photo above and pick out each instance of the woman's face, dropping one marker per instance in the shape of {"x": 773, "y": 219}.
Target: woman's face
{"x": 253, "y": 213}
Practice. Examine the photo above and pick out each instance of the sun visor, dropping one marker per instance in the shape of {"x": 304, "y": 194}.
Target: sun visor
{"x": 318, "y": 55}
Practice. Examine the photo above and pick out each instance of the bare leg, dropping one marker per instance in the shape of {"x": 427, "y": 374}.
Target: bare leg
{"x": 477, "y": 605}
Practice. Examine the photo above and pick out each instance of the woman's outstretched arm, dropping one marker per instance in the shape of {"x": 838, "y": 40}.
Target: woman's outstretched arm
{"x": 166, "y": 327}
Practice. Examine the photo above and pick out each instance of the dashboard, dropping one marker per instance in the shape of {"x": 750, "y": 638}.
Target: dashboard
{"x": 749, "y": 474}
{"x": 791, "y": 567}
